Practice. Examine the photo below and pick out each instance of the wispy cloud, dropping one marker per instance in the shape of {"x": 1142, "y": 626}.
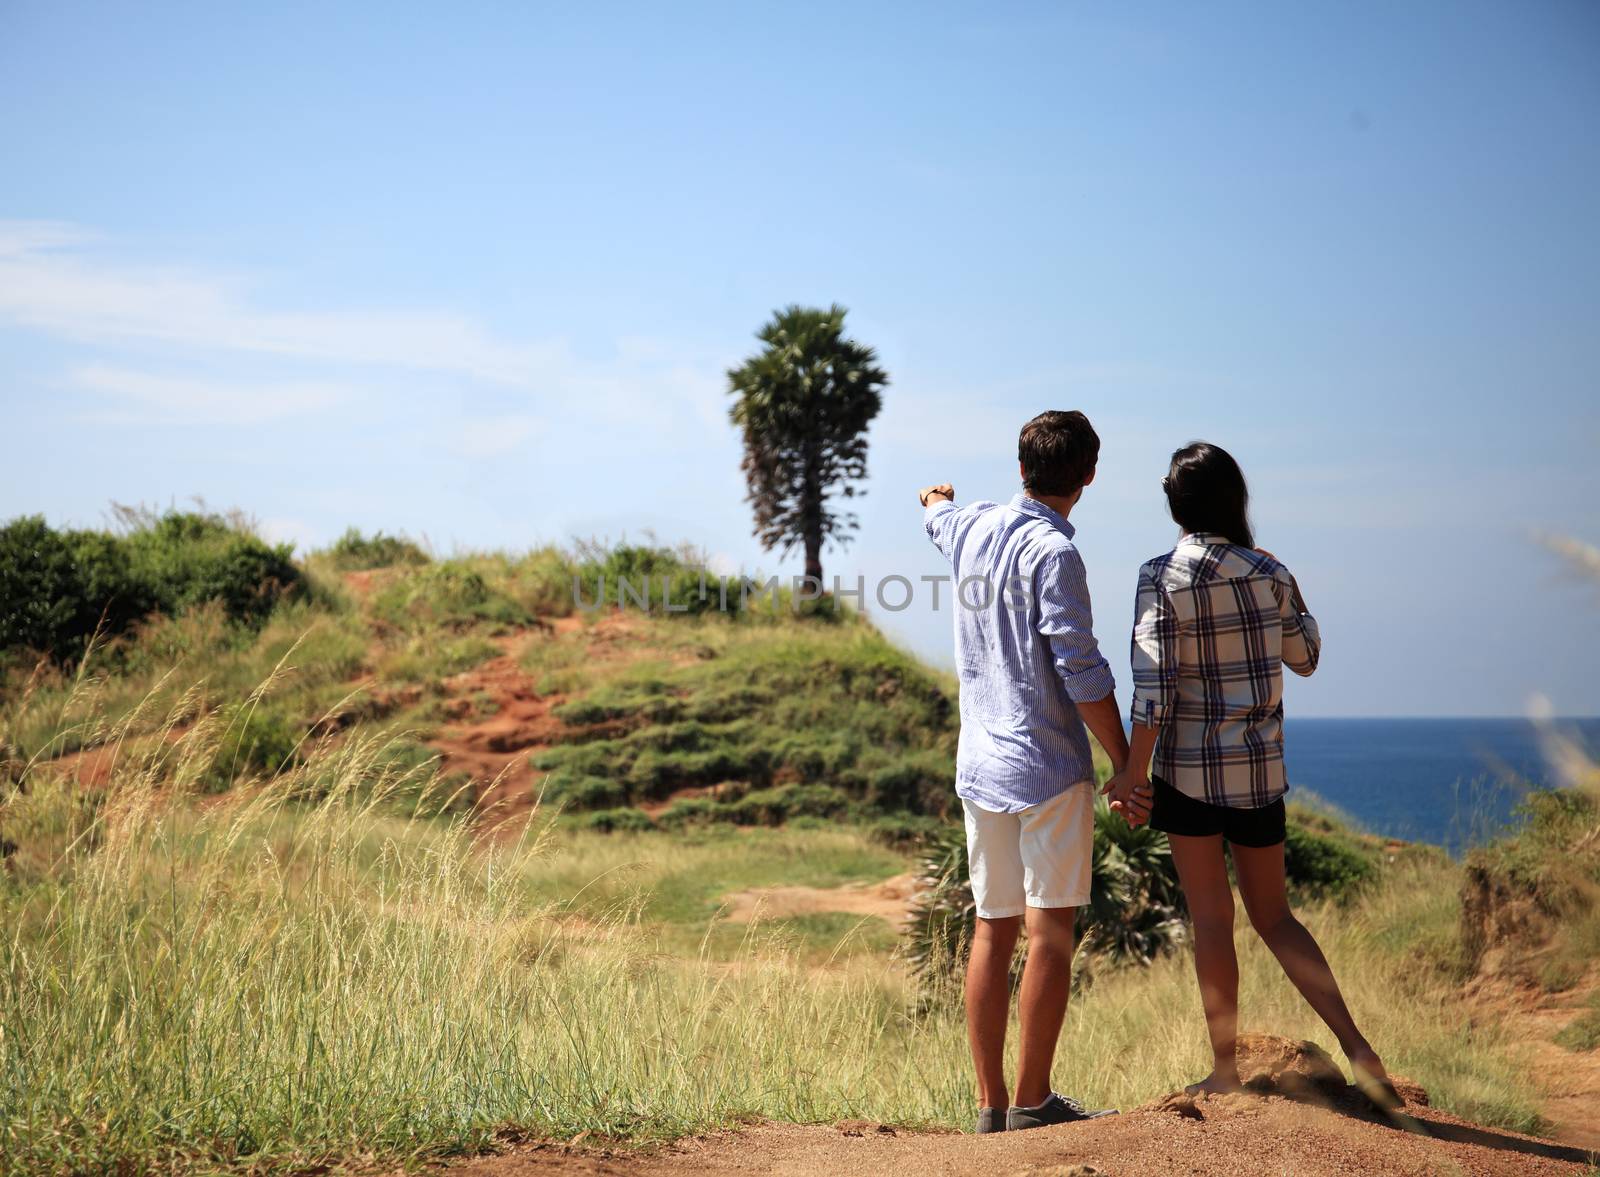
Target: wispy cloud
{"x": 141, "y": 398}
{"x": 164, "y": 344}
{"x": 51, "y": 280}
{"x": 19, "y": 237}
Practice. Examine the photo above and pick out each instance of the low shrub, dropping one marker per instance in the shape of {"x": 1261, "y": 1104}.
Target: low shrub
{"x": 770, "y": 807}
{"x": 1323, "y": 865}
{"x": 355, "y": 552}
{"x": 183, "y": 558}
{"x": 1583, "y": 1032}
{"x": 633, "y": 702}
{"x": 449, "y": 594}
{"x": 614, "y": 821}
{"x": 649, "y": 579}
{"x": 918, "y": 782}
{"x": 255, "y": 740}
{"x": 657, "y": 761}
{"x": 585, "y": 792}
{"x": 906, "y": 831}
{"x": 57, "y": 588}
{"x": 412, "y": 784}
{"x": 542, "y": 583}
{"x": 428, "y": 656}
{"x": 690, "y": 811}
{"x": 1135, "y": 911}
{"x": 1536, "y": 894}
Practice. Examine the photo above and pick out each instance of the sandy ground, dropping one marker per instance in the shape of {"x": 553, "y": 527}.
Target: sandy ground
{"x": 1569, "y": 1080}
{"x": 889, "y": 900}
{"x": 1230, "y": 1134}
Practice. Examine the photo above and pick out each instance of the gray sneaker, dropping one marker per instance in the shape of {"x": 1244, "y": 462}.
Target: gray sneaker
{"x": 990, "y": 1120}
{"x": 1057, "y": 1109}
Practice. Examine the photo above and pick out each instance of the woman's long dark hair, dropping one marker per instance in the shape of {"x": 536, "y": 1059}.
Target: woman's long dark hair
{"x": 1206, "y": 491}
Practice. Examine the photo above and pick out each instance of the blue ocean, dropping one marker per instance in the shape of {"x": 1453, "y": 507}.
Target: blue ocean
{"x": 1453, "y": 782}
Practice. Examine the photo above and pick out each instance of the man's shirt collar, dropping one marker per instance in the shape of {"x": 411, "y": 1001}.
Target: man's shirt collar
{"x": 1029, "y": 506}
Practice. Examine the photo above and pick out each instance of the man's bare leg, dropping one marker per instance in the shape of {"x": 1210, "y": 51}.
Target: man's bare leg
{"x": 1042, "y": 1003}
{"x": 988, "y": 997}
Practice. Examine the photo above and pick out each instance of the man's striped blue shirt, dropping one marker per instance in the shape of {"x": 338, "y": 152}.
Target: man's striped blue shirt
{"x": 1025, "y": 651}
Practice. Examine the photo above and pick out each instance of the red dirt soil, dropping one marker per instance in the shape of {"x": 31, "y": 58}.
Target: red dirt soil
{"x": 1299, "y": 1117}
{"x": 495, "y": 750}
{"x": 1569, "y": 1080}
{"x": 1227, "y": 1134}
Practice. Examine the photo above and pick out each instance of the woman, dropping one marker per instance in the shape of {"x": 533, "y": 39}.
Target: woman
{"x": 1217, "y": 619}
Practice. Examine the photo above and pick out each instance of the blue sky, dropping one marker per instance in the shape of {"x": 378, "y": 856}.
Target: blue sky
{"x": 474, "y": 272}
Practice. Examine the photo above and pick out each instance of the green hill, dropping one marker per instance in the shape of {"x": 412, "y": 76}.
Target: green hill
{"x": 411, "y": 853}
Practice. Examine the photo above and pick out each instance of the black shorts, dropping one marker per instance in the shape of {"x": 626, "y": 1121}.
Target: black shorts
{"x": 1178, "y": 813}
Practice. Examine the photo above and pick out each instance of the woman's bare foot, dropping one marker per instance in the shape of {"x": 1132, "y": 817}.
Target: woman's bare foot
{"x": 1372, "y": 1080}
{"x": 1214, "y": 1084}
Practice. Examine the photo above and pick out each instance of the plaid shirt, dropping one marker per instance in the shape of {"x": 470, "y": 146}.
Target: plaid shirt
{"x": 1213, "y": 627}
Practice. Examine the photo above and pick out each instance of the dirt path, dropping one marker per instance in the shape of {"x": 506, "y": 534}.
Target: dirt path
{"x": 889, "y": 900}
{"x": 494, "y": 750}
{"x": 1214, "y": 1135}
{"x": 1569, "y": 1080}
{"x": 90, "y": 768}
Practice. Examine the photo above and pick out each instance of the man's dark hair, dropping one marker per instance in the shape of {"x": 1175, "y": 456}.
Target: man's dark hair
{"x": 1206, "y": 491}
{"x": 1058, "y": 451}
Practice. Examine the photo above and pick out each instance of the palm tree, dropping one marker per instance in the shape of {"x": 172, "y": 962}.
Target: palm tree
{"x": 804, "y": 403}
{"x": 1135, "y": 909}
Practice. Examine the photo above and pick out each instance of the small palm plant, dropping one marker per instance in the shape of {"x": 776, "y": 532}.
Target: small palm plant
{"x": 943, "y": 912}
{"x": 1135, "y": 910}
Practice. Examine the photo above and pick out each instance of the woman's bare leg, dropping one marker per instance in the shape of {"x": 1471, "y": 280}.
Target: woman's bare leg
{"x": 1204, "y": 875}
{"x": 1266, "y": 902}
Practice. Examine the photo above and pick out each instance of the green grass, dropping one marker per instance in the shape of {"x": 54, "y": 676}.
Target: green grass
{"x": 354, "y": 551}
{"x": 758, "y": 706}
{"x": 818, "y": 939}
{"x": 323, "y": 961}
{"x": 681, "y": 878}
{"x": 1543, "y": 884}
{"x": 1583, "y": 1032}
{"x": 274, "y": 980}
{"x": 192, "y": 662}
{"x": 432, "y": 655}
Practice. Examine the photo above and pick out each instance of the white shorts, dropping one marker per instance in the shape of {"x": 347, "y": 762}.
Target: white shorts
{"x": 1040, "y": 857}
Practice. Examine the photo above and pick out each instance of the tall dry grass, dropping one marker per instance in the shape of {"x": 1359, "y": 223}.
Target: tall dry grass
{"x": 290, "y": 971}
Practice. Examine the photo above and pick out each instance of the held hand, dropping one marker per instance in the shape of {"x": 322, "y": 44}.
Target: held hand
{"x": 1131, "y": 795}
{"x": 932, "y": 494}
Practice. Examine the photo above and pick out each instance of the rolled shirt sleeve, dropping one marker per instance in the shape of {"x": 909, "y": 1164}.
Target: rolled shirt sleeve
{"x": 1067, "y": 624}
{"x": 1302, "y": 640}
{"x": 939, "y": 521}
{"x": 1155, "y": 653}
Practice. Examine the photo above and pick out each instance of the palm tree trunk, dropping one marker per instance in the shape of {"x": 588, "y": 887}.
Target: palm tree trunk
{"x": 814, "y": 555}
{"x": 811, "y": 519}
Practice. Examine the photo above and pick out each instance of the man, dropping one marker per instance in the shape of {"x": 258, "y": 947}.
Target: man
{"x": 1032, "y": 677}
